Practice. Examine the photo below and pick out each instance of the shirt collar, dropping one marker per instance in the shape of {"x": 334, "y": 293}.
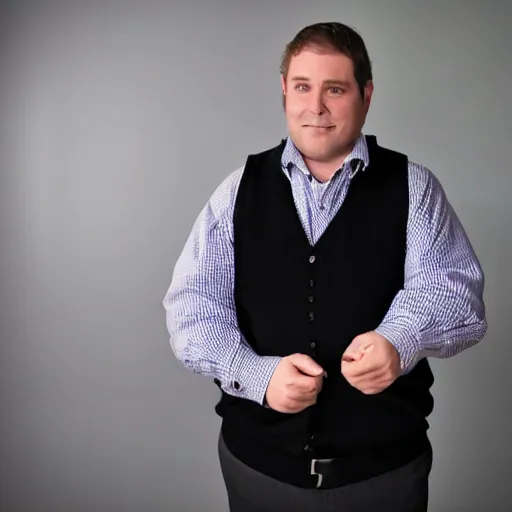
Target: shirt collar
{"x": 292, "y": 157}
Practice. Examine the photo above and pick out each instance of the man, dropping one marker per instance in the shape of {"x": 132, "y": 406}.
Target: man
{"x": 314, "y": 285}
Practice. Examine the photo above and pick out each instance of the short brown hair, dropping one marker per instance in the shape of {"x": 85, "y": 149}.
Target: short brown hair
{"x": 334, "y": 36}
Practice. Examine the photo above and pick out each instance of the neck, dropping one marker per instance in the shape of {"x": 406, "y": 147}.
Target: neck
{"x": 324, "y": 171}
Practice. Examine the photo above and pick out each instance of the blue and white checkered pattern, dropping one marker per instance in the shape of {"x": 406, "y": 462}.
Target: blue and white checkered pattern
{"x": 439, "y": 312}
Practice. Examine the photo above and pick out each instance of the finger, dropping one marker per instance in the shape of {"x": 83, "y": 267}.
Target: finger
{"x": 306, "y": 384}
{"x": 367, "y": 362}
{"x": 299, "y": 404}
{"x": 378, "y": 383}
{"x": 356, "y": 369}
{"x": 375, "y": 375}
{"x": 370, "y": 390}
{"x": 323, "y": 375}
{"x": 349, "y": 358}
{"x": 353, "y": 352}
{"x": 306, "y": 365}
{"x": 304, "y": 398}
{"x": 359, "y": 346}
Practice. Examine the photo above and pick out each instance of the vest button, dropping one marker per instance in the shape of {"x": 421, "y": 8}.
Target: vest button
{"x": 311, "y": 283}
{"x": 312, "y": 344}
{"x": 311, "y": 298}
{"x": 311, "y": 316}
{"x": 312, "y": 258}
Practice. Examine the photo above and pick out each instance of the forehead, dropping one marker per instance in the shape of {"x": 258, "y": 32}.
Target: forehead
{"x": 320, "y": 64}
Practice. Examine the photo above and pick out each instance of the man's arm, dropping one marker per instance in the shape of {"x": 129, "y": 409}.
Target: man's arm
{"x": 200, "y": 307}
{"x": 440, "y": 311}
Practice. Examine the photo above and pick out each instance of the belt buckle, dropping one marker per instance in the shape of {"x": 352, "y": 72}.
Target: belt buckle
{"x": 318, "y": 474}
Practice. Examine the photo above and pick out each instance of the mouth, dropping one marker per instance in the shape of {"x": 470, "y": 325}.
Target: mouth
{"x": 318, "y": 127}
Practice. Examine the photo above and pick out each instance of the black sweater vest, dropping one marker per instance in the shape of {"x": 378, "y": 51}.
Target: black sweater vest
{"x": 292, "y": 297}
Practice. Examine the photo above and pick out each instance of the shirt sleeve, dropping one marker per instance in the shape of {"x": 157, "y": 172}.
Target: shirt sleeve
{"x": 440, "y": 310}
{"x": 200, "y": 307}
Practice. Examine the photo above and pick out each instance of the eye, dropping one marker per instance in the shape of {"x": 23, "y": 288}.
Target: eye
{"x": 301, "y": 87}
{"x": 336, "y": 90}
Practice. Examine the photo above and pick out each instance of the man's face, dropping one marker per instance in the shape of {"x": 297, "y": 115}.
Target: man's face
{"x": 324, "y": 109}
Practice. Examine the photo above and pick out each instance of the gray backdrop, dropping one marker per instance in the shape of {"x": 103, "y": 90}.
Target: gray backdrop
{"x": 118, "y": 120}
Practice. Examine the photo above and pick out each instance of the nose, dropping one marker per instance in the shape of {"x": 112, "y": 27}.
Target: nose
{"x": 317, "y": 103}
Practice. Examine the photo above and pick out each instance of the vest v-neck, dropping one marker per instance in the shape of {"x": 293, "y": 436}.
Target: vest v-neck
{"x": 294, "y": 214}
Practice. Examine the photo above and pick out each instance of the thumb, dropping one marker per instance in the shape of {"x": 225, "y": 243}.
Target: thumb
{"x": 306, "y": 365}
{"x": 356, "y": 349}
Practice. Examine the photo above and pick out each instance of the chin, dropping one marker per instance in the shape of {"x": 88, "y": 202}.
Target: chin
{"x": 315, "y": 151}
{"x": 317, "y": 155}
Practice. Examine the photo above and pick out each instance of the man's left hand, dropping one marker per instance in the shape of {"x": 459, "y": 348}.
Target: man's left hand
{"x": 370, "y": 363}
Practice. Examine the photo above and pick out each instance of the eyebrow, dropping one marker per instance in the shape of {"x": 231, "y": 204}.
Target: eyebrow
{"x": 328, "y": 82}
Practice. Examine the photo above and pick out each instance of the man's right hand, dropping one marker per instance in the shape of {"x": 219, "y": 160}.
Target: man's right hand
{"x": 295, "y": 384}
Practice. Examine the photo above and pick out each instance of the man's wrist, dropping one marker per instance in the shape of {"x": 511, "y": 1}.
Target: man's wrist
{"x": 406, "y": 344}
{"x": 251, "y": 374}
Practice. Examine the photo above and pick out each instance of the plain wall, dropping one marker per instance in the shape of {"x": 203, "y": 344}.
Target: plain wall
{"x": 117, "y": 122}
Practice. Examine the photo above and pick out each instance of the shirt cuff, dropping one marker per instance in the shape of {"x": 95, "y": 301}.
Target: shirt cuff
{"x": 406, "y": 343}
{"x": 250, "y": 374}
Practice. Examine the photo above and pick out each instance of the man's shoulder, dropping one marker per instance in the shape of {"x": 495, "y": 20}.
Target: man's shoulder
{"x": 223, "y": 198}
{"x": 421, "y": 176}
{"x": 426, "y": 192}
{"x": 424, "y": 185}
{"x": 270, "y": 152}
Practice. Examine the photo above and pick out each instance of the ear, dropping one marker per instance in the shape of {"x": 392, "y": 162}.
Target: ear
{"x": 368, "y": 91}
{"x": 283, "y": 84}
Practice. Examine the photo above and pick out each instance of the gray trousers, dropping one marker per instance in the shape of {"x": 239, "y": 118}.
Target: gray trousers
{"x": 401, "y": 490}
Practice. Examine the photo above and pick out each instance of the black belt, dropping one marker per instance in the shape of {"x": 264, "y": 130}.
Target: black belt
{"x": 330, "y": 472}
{"x": 322, "y": 473}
